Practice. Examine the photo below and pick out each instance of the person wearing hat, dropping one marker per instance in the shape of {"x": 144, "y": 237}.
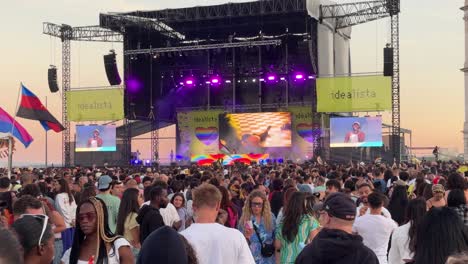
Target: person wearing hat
{"x": 111, "y": 201}
{"x": 336, "y": 243}
{"x": 95, "y": 141}
{"x": 356, "y": 135}
{"x": 438, "y": 197}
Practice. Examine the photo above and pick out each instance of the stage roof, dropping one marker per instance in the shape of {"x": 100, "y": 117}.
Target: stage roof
{"x": 272, "y": 17}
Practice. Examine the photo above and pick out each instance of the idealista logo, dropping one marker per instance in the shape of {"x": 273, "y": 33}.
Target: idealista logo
{"x": 353, "y": 94}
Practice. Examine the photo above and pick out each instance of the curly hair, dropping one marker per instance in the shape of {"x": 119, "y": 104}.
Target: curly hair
{"x": 266, "y": 210}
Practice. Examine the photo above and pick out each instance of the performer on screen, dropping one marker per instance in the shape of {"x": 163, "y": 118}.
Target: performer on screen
{"x": 356, "y": 135}
{"x": 95, "y": 141}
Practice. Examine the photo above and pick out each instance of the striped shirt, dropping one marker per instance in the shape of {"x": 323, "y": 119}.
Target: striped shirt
{"x": 290, "y": 250}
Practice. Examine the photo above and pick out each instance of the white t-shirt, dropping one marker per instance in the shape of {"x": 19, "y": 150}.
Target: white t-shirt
{"x": 385, "y": 212}
{"x": 376, "y": 231}
{"x": 400, "y": 245}
{"x": 169, "y": 214}
{"x": 113, "y": 258}
{"x": 215, "y": 244}
{"x": 65, "y": 208}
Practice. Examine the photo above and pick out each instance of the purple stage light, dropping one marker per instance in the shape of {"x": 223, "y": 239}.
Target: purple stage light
{"x": 214, "y": 81}
{"x": 189, "y": 82}
{"x": 133, "y": 85}
{"x": 271, "y": 78}
{"x": 299, "y": 76}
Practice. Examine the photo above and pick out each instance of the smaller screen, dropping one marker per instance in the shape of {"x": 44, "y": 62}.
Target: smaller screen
{"x": 355, "y": 132}
{"x": 95, "y": 138}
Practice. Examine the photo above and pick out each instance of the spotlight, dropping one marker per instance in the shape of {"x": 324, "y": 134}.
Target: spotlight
{"x": 228, "y": 81}
{"x": 133, "y": 85}
{"x": 271, "y": 78}
{"x": 311, "y": 77}
{"x": 190, "y": 81}
{"x": 299, "y": 76}
{"x": 215, "y": 80}
{"x": 283, "y": 79}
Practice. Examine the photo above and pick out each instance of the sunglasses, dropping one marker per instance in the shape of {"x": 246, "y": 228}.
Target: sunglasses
{"x": 41, "y": 217}
{"x": 90, "y": 216}
{"x": 258, "y": 205}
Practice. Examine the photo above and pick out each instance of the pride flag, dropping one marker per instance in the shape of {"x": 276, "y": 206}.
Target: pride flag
{"x": 8, "y": 127}
{"x": 32, "y": 108}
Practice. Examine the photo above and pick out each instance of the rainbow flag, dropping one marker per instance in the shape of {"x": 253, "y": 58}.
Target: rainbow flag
{"x": 11, "y": 127}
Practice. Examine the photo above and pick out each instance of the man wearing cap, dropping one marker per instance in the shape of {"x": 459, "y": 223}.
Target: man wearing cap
{"x": 112, "y": 202}
{"x": 356, "y": 135}
{"x": 336, "y": 243}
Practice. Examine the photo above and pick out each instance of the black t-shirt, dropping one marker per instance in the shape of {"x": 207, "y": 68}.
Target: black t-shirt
{"x": 332, "y": 246}
{"x": 149, "y": 219}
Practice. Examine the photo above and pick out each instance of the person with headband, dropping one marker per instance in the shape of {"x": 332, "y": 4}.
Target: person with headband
{"x": 93, "y": 241}
{"x": 36, "y": 237}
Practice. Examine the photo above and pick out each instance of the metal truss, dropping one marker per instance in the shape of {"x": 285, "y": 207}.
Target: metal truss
{"x": 87, "y": 33}
{"x": 276, "y": 42}
{"x": 351, "y": 14}
{"x": 66, "y": 34}
{"x": 257, "y": 8}
{"x": 119, "y": 22}
{"x": 66, "y": 80}
{"x": 396, "y": 145}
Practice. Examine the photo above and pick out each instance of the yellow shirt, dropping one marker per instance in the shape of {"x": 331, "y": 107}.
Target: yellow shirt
{"x": 130, "y": 223}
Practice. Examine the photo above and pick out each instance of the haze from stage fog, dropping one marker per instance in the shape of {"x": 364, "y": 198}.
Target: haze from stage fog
{"x": 432, "y": 41}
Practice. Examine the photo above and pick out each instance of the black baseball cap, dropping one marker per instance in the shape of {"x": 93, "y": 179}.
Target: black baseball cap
{"x": 341, "y": 206}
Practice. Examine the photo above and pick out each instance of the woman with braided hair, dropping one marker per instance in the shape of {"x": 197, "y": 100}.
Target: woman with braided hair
{"x": 93, "y": 241}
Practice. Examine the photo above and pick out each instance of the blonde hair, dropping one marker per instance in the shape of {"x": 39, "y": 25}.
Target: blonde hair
{"x": 206, "y": 195}
{"x": 266, "y": 210}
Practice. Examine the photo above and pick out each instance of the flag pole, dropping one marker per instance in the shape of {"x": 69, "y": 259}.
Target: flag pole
{"x": 10, "y": 155}
{"x": 46, "y": 145}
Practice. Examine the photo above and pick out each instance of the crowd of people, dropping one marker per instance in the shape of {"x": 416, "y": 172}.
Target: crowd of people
{"x": 264, "y": 214}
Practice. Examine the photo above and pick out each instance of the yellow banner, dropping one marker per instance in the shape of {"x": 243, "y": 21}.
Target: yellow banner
{"x": 95, "y": 105}
{"x": 199, "y": 132}
{"x": 354, "y": 94}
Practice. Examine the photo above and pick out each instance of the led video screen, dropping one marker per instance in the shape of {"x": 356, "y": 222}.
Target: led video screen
{"x": 252, "y": 132}
{"x": 95, "y": 138}
{"x": 356, "y": 132}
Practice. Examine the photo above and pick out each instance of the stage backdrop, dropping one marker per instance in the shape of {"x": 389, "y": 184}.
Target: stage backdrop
{"x": 95, "y": 105}
{"x": 304, "y": 132}
{"x": 198, "y": 132}
{"x": 354, "y": 94}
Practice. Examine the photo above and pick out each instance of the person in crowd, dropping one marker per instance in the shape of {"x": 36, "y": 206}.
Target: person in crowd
{"x": 27, "y": 204}
{"x": 147, "y": 182}
{"x": 36, "y": 237}
{"x": 457, "y": 202}
{"x": 127, "y": 225}
{"x": 149, "y": 218}
{"x": 66, "y": 206}
{"x": 166, "y": 246}
{"x": 10, "y": 248}
{"x": 111, "y": 201}
{"x": 365, "y": 189}
{"x": 178, "y": 200}
{"x": 276, "y": 196}
{"x": 169, "y": 213}
{"x": 379, "y": 180}
{"x": 258, "y": 226}
{"x": 117, "y": 189}
{"x": 461, "y": 258}
{"x": 93, "y": 241}
{"x": 440, "y": 234}
{"x": 7, "y": 198}
{"x": 404, "y": 238}
{"x": 286, "y": 197}
{"x": 398, "y": 203}
{"x": 455, "y": 181}
{"x": 88, "y": 192}
{"x": 229, "y": 207}
{"x": 336, "y": 243}
{"x": 296, "y": 230}
{"x": 214, "y": 243}
{"x": 438, "y": 197}
{"x": 332, "y": 186}
{"x": 375, "y": 228}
